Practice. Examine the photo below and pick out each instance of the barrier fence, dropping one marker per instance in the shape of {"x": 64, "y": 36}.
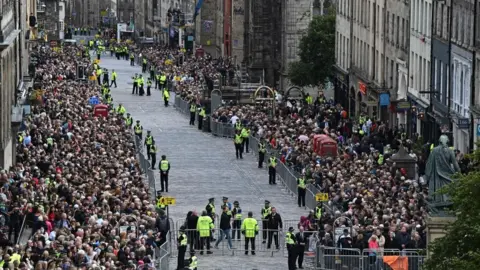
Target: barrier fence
{"x": 369, "y": 259}
{"x": 287, "y": 175}
{"x": 145, "y": 167}
{"x": 162, "y": 255}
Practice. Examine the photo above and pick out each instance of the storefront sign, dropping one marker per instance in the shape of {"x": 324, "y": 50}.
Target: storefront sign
{"x": 404, "y": 105}
{"x": 384, "y": 99}
{"x": 463, "y": 123}
{"x": 362, "y": 88}
{"x": 371, "y": 103}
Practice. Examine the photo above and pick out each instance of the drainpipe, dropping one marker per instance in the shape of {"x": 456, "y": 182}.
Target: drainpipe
{"x": 450, "y": 73}
{"x": 473, "y": 128}
{"x": 351, "y": 60}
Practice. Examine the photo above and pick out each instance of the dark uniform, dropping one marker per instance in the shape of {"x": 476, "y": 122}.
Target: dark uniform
{"x": 135, "y": 84}
{"x": 182, "y": 242}
{"x": 237, "y": 220}
{"x": 302, "y": 190}
{"x": 291, "y": 247}
{"x": 153, "y": 154}
{"x": 138, "y": 129}
{"x": 301, "y": 242}
{"x": 210, "y": 208}
{"x": 149, "y": 86}
{"x": 129, "y": 120}
{"x": 265, "y": 213}
{"x": 164, "y": 169}
{"x": 238, "y": 141}
{"x": 148, "y": 142}
{"x": 193, "y": 110}
{"x": 272, "y": 171}
{"x": 262, "y": 149}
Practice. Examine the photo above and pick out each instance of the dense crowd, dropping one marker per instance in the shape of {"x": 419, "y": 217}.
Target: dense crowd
{"x": 77, "y": 180}
{"x": 361, "y": 180}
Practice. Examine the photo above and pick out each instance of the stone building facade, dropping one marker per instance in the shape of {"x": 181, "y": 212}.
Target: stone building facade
{"x": 48, "y": 18}
{"x": 12, "y": 68}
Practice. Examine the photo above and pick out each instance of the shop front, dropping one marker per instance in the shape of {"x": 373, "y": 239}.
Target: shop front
{"x": 340, "y": 83}
{"x": 417, "y": 120}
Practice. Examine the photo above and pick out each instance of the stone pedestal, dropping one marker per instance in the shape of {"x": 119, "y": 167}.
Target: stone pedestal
{"x": 436, "y": 227}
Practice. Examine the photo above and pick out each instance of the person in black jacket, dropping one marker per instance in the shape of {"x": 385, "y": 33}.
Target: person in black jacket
{"x": 192, "y": 234}
{"x": 275, "y": 225}
{"x": 301, "y": 242}
{"x": 225, "y": 227}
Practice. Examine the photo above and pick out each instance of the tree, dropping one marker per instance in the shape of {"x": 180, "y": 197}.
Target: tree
{"x": 317, "y": 52}
{"x": 460, "y": 248}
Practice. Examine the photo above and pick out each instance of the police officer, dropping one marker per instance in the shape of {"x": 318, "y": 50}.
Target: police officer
{"x": 262, "y": 149}
{"x": 153, "y": 154}
{"x": 302, "y": 190}
{"x": 205, "y": 227}
{"x": 193, "y": 110}
{"x": 135, "y": 84}
{"x": 164, "y": 169}
{"x": 129, "y": 120}
{"x": 237, "y": 141}
{"x": 138, "y": 129}
{"x": 266, "y": 210}
{"x": 192, "y": 261}
{"x": 201, "y": 115}
{"x": 144, "y": 65}
{"x": 141, "y": 82}
{"x": 157, "y": 81}
{"x": 318, "y": 211}
{"x": 149, "y": 86}
{"x": 159, "y": 205}
{"x": 148, "y": 142}
{"x": 272, "y": 170}
{"x": 292, "y": 251}
{"x": 250, "y": 230}
{"x": 105, "y": 76}
{"x": 245, "y": 133}
{"x": 132, "y": 59}
{"x": 166, "y": 96}
{"x": 114, "y": 78}
{"x": 152, "y": 71}
{"x": 237, "y": 220}
{"x": 120, "y": 109}
{"x": 210, "y": 208}
{"x": 226, "y": 204}
{"x": 182, "y": 247}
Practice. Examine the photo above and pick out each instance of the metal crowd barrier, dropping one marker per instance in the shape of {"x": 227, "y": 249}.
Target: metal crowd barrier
{"x": 182, "y": 106}
{"x": 238, "y": 244}
{"x": 222, "y": 129}
{"x": 335, "y": 258}
{"x": 162, "y": 255}
{"x": 288, "y": 177}
{"x": 145, "y": 167}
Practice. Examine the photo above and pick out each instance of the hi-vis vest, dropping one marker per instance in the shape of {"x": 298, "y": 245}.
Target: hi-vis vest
{"x": 213, "y": 209}
{"x": 261, "y": 148}
{"x": 202, "y": 113}
{"x": 138, "y": 129}
{"x": 288, "y": 239}
{"x": 149, "y": 140}
{"x": 301, "y": 183}
{"x": 159, "y": 204}
{"x": 184, "y": 240}
{"x": 164, "y": 165}
{"x": 273, "y": 162}
{"x": 153, "y": 149}
{"x": 193, "y": 264}
{"x": 238, "y": 125}
{"x": 163, "y": 78}
{"x": 128, "y": 120}
{"x": 193, "y": 108}
{"x": 318, "y": 212}
{"x": 238, "y": 139}
{"x": 380, "y": 159}
{"x": 266, "y": 212}
{"x": 238, "y": 216}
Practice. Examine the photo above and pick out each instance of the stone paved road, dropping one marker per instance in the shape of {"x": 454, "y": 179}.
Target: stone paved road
{"x": 202, "y": 166}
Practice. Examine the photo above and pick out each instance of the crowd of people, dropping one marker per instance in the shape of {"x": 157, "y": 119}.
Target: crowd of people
{"x": 366, "y": 190}
{"x": 76, "y": 180}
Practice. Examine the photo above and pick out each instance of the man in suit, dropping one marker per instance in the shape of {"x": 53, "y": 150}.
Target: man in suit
{"x": 300, "y": 246}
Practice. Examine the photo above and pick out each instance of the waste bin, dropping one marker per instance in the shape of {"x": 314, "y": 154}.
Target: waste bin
{"x": 206, "y": 124}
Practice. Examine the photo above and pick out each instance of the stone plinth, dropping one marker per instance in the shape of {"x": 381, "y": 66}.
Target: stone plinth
{"x": 436, "y": 227}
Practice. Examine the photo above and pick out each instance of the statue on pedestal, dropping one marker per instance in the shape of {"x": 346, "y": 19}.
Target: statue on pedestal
{"x": 441, "y": 165}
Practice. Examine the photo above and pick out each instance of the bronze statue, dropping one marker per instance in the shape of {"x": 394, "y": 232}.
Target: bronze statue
{"x": 441, "y": 165}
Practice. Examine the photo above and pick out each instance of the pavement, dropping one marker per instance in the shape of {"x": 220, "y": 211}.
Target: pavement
{"x": 203, "y": 166}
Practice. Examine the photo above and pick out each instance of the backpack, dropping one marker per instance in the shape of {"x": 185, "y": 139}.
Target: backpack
{"x": 163, "y": 225}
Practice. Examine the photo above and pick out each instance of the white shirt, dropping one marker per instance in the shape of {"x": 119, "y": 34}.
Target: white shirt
{"x": 234, "y": 119}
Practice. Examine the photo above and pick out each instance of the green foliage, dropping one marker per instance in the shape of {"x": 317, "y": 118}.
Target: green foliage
{"x": 317, "y": 53}
{"x": 460, "y": 248}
